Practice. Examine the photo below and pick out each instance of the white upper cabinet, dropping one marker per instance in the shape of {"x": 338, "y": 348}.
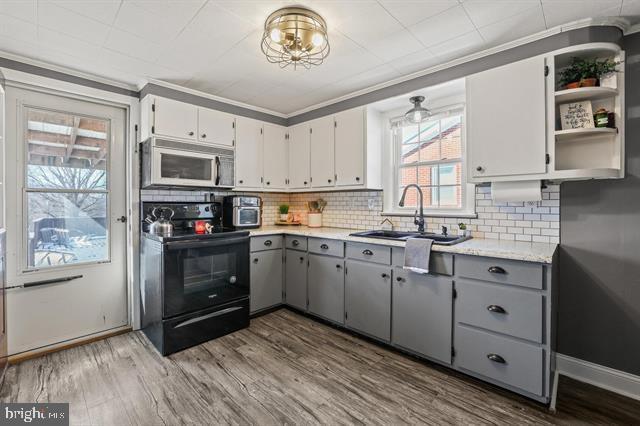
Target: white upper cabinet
{"x": 249, "y": 144}
{"x": 216, "y": 127}
{"x": 350, "y": 141}
{"x": 299, "y": 156}
{"x": 506, "y": 120}
{"x": 175, "y": 119}
{"x": 322, "y": 152}
{"x": 275, "y": 157}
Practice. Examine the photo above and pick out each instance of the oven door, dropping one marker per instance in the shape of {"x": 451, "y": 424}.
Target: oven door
{"x": 172, "y": 167}
{"x": 203, "y": 273}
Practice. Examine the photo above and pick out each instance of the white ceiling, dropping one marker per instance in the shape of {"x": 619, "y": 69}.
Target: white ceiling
{"x": 214, "y": 45}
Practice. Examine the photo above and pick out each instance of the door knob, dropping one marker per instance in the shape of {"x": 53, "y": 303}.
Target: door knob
{"x": 122, "y": 219}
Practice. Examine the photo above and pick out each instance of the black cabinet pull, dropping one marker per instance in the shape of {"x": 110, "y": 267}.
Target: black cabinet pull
{"x": 301, "y": 259}
{"x": 328, "y": 180}
{"x": 191, "y": 133}
{"x": 497, "y": 309}
{"x": 268, "y": 243}
{"x": 338, "y": 266}
{"x": 324, "y": 247}
{"x": 367, "y": 252}
{"x": 204, "y": 135}
{"x": 255, "y": 260}
{"x": 241, "y": 181}
{"x": 305, "y": 182}
{"x": 479, "y": 168}
{"x": 295, "y": 243}
{"x": 357, "y": 179}
{"x": 496, "y": 270}
{"x": 268, "y": 183}
{"x": 399, "y": 279}
{"x": 384, "y": 275}
{"x": 496, "y": 358}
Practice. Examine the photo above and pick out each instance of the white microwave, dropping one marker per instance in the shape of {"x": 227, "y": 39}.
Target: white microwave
{"x": 168, "y": 163}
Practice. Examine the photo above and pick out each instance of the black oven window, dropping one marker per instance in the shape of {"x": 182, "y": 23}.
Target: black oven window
{"x": 207, "y": 273}
{"x": 181, "y": 167}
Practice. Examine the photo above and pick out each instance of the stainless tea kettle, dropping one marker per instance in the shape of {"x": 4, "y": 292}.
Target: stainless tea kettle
{"x": 162, "y": 226}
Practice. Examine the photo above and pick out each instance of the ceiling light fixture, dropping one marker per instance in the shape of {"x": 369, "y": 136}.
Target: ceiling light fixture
{"x": 295, "y": 36}
{"x": 418, "y": 113}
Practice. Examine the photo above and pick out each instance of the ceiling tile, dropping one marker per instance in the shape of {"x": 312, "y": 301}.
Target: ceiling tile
{"x": 68, "y": 22}
{"x": 558, "y": 12}
{"x": 53, "y": 40}
{"x": 630, "y": 8}
{"x": 485, "y": 12}
{"x": 372, "y": 77}
{"x": 180, "y": 11}
{"x": 132, "y": 45}
{"x": 394, "y": 46}
{"x": 21, "y": 9}
{"x": 18, "y": 47}
{"x": 18, "y": 29}
{"x": 449, "y": 24}
{"x": 415, "y": 62}
{"x": 458, "y": 47}
{"x": 412, "y": 12}
{"x": 159, "y": 27}
{"x": 255, "y": 12}
{"x": 104, "y": 11}
{"x": 523, "y": 24}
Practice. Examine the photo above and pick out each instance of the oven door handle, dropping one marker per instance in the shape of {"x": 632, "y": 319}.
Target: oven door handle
{"x": 215, "y": 242}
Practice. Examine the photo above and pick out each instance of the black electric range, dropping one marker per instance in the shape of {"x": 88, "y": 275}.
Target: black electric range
{"x": 194, "y": 283}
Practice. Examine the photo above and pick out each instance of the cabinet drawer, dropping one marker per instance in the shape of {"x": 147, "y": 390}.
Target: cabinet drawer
{"x": 369, "y": 253}
{"x": 325, "y": 246}
{"x": 505, "y": 310}
{"x": 514, "y": 272}
{"x": 503, "y": 359}
{"x": 439, "y": 263}
{"x": 296, "y": 243}
{"x": 268, "y": 242}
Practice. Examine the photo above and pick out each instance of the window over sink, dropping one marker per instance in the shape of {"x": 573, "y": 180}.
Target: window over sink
{"x": 431, "y": 155}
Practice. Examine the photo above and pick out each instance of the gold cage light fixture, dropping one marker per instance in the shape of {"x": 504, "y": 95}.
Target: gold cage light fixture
{"x": 295, "y": 36}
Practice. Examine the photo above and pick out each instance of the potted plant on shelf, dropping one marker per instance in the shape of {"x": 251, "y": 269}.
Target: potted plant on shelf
{"x": 570, "y": 76}
{"x": 586, "y": 72}
{"x": 284, "y": 212}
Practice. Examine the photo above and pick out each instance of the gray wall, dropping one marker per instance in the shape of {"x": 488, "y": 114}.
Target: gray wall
{"x": 599, "y": 289}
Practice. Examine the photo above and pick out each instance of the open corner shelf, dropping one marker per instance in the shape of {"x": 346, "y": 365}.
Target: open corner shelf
{"x": 582, "y": 93}
{"x": 576, "y": 134}
{"x": 575, "y": 174}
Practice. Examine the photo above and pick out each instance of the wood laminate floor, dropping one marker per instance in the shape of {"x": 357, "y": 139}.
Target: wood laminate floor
{"x": 284, "y": 369}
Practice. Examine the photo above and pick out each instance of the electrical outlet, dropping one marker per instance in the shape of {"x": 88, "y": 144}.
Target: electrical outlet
{"x": 372, "y": 203}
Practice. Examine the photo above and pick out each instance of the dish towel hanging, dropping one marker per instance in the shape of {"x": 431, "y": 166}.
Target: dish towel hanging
{"x": 417, "y": 253}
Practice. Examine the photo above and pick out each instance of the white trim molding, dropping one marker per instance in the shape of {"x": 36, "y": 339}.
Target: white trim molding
{"x": 603, "y": 377}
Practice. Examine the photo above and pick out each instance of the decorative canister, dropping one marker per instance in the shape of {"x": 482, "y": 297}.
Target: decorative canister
{"x": 314, "y": 220}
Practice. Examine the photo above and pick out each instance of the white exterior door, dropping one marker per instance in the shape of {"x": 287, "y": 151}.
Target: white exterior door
{"x": 216, "y": 127}
{"x": 350, "y": 147}
{"x": 248, "y": 153}
{"x": 275, "y": 157}
{"x": 506, "y": 116}
{"x": 66, "y": 240}
{"x": 299, "y": 157}
{"x": 322, "y": 152}
{"x": 175, "y": 119}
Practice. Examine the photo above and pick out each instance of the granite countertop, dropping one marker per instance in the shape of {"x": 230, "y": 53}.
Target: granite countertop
{"x": 515, "y": 250}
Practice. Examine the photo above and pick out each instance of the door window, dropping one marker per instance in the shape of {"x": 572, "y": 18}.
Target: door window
{"x": 67, "y": 188}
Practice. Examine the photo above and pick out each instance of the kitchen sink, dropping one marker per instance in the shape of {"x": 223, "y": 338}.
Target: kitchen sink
{"x": 445, "y": 240}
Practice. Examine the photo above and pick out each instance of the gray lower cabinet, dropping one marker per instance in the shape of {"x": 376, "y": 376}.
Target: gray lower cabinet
{"x": 423, "y": 314}
{"x": 266, "y": 279}
{"x": 296, "y": 278}
{"x": 367, "y": 301}
{"x": 326, "y": 287}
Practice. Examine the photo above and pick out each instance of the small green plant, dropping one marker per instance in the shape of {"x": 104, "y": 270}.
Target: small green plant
{"x": 462, "y": 226}
{"x": 581, "y": 69}
{"x": 283, "y": 208}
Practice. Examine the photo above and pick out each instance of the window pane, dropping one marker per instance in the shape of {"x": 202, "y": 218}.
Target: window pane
{"x": 451, "y": 137}
{"x": 66, "y": 228}
{"x": 429, "y": 131}
{"x": 430, "y": 196}
{"x": 427, "y": 175}
{"x": 410, "y": 154}
{"x": 66, "y": 151}
{"x": 409, "y": 134}
{"x": 430, "y": 151}
{"x": 408, "y": 175}
{"x": 451, "y": 196}
{"x": 450, "y": 174}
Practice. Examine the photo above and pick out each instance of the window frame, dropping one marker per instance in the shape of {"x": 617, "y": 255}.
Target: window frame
{"x": 392, "y": 185}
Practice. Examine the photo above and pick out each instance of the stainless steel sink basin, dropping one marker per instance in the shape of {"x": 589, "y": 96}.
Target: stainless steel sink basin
{"x": 445, "y": 240}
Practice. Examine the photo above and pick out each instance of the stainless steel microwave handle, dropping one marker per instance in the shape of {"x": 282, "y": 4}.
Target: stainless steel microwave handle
{"x": 214, "y": 242}
{"x": 207, "y": 316}
{"x": 217, "y": 170}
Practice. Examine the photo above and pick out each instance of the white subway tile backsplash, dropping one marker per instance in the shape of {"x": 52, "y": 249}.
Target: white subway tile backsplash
{"x": 529, "y": 221}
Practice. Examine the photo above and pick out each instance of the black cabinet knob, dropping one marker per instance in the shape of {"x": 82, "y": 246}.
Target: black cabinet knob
{"x": 240, "y": 181}
{"x": 367, "y": 252}
{"x": 295, "y": 243}
{"x": 479, "y": 168}
{"x": 357, "y": 179}
{"x": 255, "y": 260}
{"x": 204, "y": 135}
{"x": 496, "y": 309}
{"x": 338, "y": 266}
{"x": 496, "y": 270}
{"x": 268, "y": 183}
{"x": 399, "y": 279}
{"x": 328, "y": 180}
{"x": 496, "y": 358}
{"x": 324, "y": 247}
{"x": 268, "y": 243}
{"x": 191, "y": 133}
{"x": 385, "y": 275}
{"x": 305, "y": 182}
{"x": 301, "y": 259}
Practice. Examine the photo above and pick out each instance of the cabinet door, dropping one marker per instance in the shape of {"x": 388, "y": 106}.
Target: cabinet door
{"x": 266, "y": 279}
{"x": 322, "y": 152}
{"x": 216, "y": 127}
{"x": 275, "y": 157}
{"x": 299, "y": 157}
{"x": 248, "y": 153}
{"x": 367, "y": 298}
{"x": 506, "y": 130}
{"x": 350, "y": 146}
{"x": 326, "y": 287}
{"x": 296, "y": 279}
{"x": 422, "y": 313}
{"x": 175, "y": 119}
